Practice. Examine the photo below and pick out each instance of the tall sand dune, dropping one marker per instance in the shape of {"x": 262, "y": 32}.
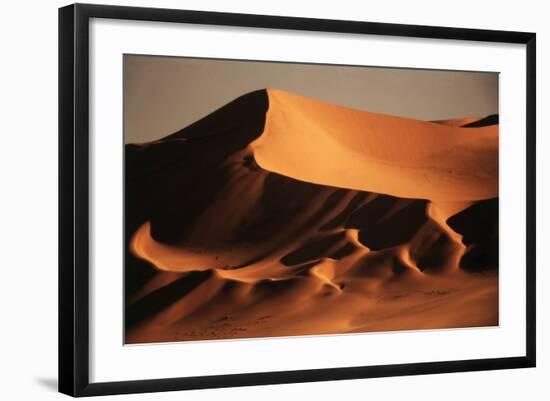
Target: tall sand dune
{"x": 281, "y": 215}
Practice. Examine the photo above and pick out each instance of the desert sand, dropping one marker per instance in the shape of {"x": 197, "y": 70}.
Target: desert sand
{"x": 280, "y": 215}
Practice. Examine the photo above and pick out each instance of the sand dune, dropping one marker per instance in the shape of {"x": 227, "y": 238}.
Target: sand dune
{"x": 331, "y": 145}
{"x": 282, "y": 215}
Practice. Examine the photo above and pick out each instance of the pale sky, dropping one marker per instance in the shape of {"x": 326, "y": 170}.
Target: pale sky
{"x": 165, "y": 94}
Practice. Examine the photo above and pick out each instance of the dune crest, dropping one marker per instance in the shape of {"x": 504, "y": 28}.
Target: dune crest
{"x": 325, "y": 144}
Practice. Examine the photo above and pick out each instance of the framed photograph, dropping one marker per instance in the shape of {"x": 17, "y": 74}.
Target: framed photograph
{"x": 251, "y": 199}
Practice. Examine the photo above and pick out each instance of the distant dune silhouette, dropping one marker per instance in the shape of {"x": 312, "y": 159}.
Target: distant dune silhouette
{"x": 282, "y": 215}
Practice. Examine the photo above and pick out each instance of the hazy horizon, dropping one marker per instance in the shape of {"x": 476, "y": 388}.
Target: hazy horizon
{"x": 165, "y": 94}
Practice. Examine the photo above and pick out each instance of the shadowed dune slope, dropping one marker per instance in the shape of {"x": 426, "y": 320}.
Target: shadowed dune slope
{"x": 281, "y": 215}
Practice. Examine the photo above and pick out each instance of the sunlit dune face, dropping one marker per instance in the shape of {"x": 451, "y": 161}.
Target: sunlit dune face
{"x": 310, "y": 218}
{"x": 331, "y": 145}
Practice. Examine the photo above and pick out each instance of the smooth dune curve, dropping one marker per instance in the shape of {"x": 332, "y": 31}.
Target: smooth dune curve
{"x": 326, "y": 144}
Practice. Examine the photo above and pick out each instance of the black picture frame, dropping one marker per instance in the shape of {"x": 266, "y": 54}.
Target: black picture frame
{"x": 74, "y": 198}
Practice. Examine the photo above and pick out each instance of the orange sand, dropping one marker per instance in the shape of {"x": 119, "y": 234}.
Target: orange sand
{"x": 313, "y": 219}
{"x": 330, "y": 145}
